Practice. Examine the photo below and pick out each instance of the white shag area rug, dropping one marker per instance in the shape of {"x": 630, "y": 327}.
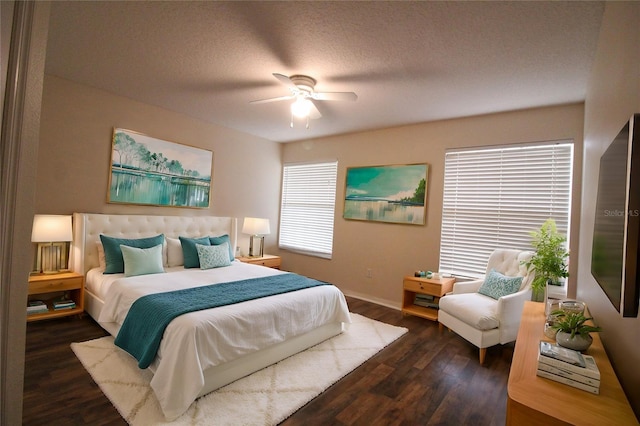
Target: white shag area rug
{"x": 266, "y": 397}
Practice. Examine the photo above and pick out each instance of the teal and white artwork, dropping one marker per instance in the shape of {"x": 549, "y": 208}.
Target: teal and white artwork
{"x": 150, "y": 171}
{"x": 395, "y": 194}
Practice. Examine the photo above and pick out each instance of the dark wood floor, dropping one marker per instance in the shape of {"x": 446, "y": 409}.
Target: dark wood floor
{"x": 425, "y": 377}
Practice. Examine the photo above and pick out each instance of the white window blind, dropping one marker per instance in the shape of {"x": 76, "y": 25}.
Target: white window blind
{"x": 494, "y": 198}
{"x": 307, "y": 209}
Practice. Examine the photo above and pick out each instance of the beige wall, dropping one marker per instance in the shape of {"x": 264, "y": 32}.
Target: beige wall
{"x": 74, "y": 157}
{"x": 390, "y": 250}
{"x": 75, "y": 149}
{"x": 613, "y": 96}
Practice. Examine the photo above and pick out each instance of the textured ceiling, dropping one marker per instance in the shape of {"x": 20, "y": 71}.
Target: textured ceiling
{"x": 408, "y": 62}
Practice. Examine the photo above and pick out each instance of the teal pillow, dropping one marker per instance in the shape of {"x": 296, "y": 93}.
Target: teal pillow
{"x": 497, "y": 285}
{"x": 215, "y": 241}
{"x": 142, "y": 261}
{"x": 113, "y": 253}
{"x": 189, "y": 251}
{"x": 213, "y": 256}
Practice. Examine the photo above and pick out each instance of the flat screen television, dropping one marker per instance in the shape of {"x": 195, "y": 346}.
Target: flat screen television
{"x": 614, "y": 258}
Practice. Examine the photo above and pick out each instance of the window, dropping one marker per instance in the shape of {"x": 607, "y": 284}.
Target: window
{"x": 494, "y": 197}
{"x": 307, "y": 209}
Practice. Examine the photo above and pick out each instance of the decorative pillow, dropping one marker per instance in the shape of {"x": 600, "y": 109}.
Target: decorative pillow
{"x": 113, "y": 253}
{"x": 164, "y": 253}
{"x": 101, "y": 261}
{"x": 142, "y": 261}
{"x": 497, "y": 285}
{"x": 189, "y": 251}
{"x": 174, "y": 252}
{"x": 213, "y": 256}
{"x": 215, "y": 241}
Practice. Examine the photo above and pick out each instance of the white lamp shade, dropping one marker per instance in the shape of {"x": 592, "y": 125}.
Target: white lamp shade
{"x": 255, "y": 226}
{"x": 51, "y": 228}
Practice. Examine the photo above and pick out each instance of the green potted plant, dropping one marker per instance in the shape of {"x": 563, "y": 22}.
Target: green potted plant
{"x": 548, "y": 261}
{"x": 572, "y": 332}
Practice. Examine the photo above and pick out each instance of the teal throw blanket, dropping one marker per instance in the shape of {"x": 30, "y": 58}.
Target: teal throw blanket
{"x": 144, "y": 325}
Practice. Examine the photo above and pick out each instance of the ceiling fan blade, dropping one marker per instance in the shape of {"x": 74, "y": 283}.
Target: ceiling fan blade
{"x": 314, "y": 114}
{"x": 334, "y": 96}
{"x": 285, "y": 80}
{"x": 279, "y": 98}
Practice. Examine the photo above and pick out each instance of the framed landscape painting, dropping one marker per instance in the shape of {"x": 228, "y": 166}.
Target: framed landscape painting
{"x": 150, "y": 171}
{"x": 394, "y": 194}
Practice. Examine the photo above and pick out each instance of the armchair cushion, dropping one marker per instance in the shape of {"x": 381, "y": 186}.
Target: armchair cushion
{"x": 474, "y": 309}
{"x": 497, "y": 285}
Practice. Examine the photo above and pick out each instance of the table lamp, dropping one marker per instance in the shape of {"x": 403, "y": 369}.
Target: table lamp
{"x": 51, "y": 232}
{"x": 256, "y": 227}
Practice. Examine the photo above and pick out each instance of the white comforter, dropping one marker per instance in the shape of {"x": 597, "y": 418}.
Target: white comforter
{"x": 196, "y": 341}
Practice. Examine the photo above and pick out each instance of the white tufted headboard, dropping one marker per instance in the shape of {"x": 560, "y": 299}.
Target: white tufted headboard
{"x": 87, "y": 228}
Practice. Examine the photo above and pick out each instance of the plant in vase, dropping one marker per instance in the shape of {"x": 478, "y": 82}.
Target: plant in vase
{"x": 572, "y": 332}
{"x": 548, "y": 261}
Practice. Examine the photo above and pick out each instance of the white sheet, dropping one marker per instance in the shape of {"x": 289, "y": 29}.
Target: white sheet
{"x": 196, "y": 341}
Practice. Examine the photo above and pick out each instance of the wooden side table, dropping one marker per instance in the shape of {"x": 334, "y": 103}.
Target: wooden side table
{"x": 48, "y": 287}
{"x": 267, "y": 260}
{"x": 436, "y": 287}
{"x": 533, "y": 400}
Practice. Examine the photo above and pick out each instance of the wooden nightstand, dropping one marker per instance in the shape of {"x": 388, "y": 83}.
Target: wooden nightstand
{"x": 267, "y": 260}
{"x": 49, "y": 287}
{"x": 435, "y": 288}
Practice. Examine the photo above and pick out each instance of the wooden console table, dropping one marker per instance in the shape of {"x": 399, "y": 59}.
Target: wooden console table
{"x": 533, "y": 400}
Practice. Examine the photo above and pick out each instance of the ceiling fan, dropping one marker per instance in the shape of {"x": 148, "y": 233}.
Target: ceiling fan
{"x": 301, "y": 88}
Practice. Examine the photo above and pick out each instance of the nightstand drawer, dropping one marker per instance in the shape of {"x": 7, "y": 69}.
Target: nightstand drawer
{"x": 51, "y": 285}
{"x": 421, "y": 287}
{"x": 271, "y": 263}
{"x": 267, "y": 260}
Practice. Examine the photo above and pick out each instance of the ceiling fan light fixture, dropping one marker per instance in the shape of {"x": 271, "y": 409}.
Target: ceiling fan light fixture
{"x": 301, "y": 88}
{"x": 301, "y": 107}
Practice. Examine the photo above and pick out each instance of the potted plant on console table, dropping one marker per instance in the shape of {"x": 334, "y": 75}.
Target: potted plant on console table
{"x": 548, "y": 261}
{"x": 572, "y": 332}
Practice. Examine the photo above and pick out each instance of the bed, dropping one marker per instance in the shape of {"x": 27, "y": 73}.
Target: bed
{"x": 202, "y": 351}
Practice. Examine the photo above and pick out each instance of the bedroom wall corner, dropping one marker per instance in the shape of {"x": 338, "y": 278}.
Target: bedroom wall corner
{"x": 75, "y": 154}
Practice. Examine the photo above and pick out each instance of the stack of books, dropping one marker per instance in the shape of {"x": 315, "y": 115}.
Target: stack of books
{"x": 63, "y": 304}
{"x": 567, "y": 366}
{"x": 36, "y": 307}
{"x": 425, "y": 300}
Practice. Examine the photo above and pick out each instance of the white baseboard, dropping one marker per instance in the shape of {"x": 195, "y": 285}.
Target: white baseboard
{"x": 377, "y": 301}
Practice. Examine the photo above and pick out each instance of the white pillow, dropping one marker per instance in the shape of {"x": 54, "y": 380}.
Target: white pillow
{"x": 101, "y": 260}
{"x": 139, "y": 261}
{"x": 165, "y": 253}
{"x": 174, "y": 252}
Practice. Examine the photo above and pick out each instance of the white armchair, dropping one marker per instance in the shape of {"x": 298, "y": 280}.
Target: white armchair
{"x": 484, "y": 320}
